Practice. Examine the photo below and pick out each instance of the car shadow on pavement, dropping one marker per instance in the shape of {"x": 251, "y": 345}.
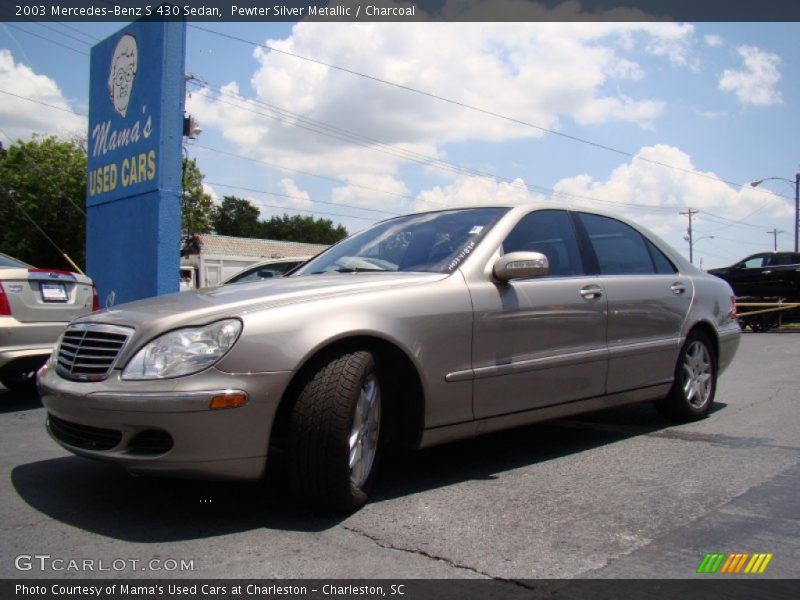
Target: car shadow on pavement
{"x": 104, "y": 499}
{"x": 484, "y": 457}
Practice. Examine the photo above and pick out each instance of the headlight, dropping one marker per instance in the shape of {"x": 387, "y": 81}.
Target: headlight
{"x": 183, "y": 351}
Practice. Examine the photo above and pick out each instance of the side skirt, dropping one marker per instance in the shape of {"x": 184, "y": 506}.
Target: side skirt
{"x": 458, "y": 431}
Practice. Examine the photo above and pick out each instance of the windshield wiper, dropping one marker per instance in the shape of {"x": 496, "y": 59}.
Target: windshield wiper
{"x": 350, "y": 270}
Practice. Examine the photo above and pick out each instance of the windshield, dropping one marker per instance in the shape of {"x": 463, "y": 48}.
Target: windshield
{"x": 435, "y": 242}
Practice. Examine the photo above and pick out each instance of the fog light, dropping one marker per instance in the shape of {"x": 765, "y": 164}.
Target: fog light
{"x": 228, "y": 400}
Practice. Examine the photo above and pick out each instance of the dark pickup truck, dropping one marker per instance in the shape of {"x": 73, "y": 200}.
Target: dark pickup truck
{"x": 764, "y": 275}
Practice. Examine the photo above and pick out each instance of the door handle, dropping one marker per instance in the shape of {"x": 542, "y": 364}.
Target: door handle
{"x": 590, "y": 292}
{"x": 766, "y": 272}
{"x": 678, "y": 288}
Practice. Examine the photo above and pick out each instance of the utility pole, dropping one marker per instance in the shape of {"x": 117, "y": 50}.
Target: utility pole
{"x": 796, "y": 207}
{"x": 690, "y": 213}
{"x": 774, "y": 233}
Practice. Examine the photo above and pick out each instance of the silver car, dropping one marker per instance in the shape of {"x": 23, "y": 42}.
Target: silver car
{"x": 420, "y": 330}
{"x": 35, "y": 307}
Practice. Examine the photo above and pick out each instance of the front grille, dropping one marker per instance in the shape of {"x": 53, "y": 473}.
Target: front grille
{"x": 150, "y": 442}
{"x": 88, "y": 351}
{"x": 83, "y": 436}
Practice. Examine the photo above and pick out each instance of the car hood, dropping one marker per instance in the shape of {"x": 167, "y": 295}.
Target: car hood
{"x": 198, "y": 307}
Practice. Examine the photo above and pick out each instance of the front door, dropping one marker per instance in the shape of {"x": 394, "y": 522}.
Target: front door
{"x": 539, "y": 341}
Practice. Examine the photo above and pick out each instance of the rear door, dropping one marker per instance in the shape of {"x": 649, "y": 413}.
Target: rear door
{"x": 42, "y": 295}
{"x": 648, "y": 301}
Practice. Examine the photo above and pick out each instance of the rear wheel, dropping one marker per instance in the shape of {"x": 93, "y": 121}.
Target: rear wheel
{"x": 335, "y": 431}
{"x": 695, "y": 384}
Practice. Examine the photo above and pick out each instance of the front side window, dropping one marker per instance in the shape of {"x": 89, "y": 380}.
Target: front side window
{"x": 548, "y": 232}
{"x": 754, "y": 262}
{"x": 434, "y": 242}
{"x": 620, "y": 249}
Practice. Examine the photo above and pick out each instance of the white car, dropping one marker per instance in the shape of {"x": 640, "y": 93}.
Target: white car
{"x": 266, "y": 270}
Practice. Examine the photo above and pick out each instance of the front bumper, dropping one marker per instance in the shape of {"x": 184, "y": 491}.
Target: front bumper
{"x": 108, "y": 420}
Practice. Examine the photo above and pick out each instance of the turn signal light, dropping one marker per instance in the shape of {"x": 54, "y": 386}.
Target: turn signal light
{"x": 95, "y": 300}
{"x": 228, "y": 400}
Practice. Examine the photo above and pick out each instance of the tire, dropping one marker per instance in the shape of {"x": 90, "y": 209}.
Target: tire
{"x": 20, "y": 383}
{"x": 334, "y": 434}
{"x": 695, "y": 383}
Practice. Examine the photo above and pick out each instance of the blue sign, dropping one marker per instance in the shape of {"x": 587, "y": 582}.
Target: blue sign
{"x": 134, "y": 161}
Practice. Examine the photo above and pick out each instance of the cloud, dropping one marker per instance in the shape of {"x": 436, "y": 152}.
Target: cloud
{"x": 296, "y": 197}
{"x": 641, "y": 189}
{"x": 208, "y": 189}
{"x": 345, "y": 125}
{"x": 661, "y": 193}
{"x": 475, "y": 191}
{"x": 21, "y": 118}
{"x": 756, "y": 83}
{"x": 713, "y": 41}
{"x": 369, "y": 190}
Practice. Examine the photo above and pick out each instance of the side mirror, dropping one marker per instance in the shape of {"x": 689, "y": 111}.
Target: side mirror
{"x": 519, "y": 265}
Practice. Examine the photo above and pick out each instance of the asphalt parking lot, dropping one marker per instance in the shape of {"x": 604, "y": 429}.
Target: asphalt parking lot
{"x": 614, "y": 494}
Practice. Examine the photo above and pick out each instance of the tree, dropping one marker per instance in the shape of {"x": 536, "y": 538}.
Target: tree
{"x": 46, "y": 178}
{"x": 300, "y": 228}
{"x": 238, "y": 217}
{"x": 197, "y": 207}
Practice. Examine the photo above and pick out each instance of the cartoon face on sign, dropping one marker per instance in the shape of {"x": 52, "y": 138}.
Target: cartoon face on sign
{"x": 122, "y": 73}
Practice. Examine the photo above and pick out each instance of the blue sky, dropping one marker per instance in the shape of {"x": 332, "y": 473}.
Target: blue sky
{"x": 696, "y": 111}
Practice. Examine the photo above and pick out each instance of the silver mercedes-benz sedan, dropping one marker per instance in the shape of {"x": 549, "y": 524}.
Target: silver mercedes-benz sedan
{"x": 420, "y": 330}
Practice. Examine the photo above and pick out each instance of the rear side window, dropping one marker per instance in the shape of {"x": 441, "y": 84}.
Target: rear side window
{"x": 663, "y": 265}
{"x": 620, "y": 249}
{"x": 548, "y": 232}
{"x": 784, "y": 259}
{"x": 7, "y": 261}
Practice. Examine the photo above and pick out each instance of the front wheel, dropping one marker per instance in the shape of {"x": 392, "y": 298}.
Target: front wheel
{"x": 335, "y": 431}
{"x": 695, "y": 384}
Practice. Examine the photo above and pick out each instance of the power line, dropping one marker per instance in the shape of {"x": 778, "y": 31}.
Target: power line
{"x": 291, "y": 118}
{"x": 553, "y": 192}
{"x": 53, "y": 106}
{"x": 424, "y": 159}
{"x": 49, "y": 239}
{"x": 83, "y": 33}
{"x": 46, "y": 39}
{"x": 302, "y": 198}
{"x": 67, "y": 35}
{"x": 467, "y": 106}
{"x": 300, "y": 172}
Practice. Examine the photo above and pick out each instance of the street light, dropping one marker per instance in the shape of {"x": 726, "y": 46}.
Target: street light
{"x": 693, "y": 241}
{"x": 796, "y": 183}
